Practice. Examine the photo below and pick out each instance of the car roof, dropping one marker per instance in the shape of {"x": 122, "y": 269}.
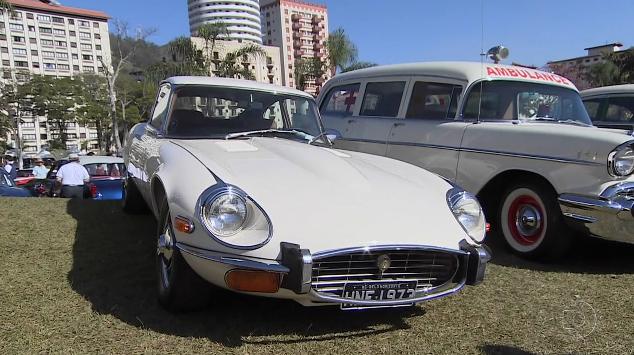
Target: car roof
{"x": 97, "y": 159}
{"x": 465, "y": 71}
{"x": 613, "y": 89}
{"x": 235, "y": 83}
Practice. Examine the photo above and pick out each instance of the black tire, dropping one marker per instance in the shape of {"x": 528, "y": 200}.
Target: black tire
{"x": 179, "y": 287}
{"x": 132, "y": 201}
{"x": 531, "y": 222}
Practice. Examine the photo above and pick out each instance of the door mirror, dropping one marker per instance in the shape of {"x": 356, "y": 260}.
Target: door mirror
{"x": 332, "y": 134}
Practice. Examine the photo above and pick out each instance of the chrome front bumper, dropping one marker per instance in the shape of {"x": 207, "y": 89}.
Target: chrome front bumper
{"x": 608, "y": 216}
{"x": 296, "y": 266}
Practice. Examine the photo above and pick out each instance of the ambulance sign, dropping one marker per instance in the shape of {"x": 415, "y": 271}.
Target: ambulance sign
{"x": 527, "y": 74}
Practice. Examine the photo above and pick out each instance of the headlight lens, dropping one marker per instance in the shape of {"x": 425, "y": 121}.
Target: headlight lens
{"x": 621, "y": 161}
{"x": 226, "y": 214}
{"x": 233, "y": 219}
{"x": 468, "y": 213}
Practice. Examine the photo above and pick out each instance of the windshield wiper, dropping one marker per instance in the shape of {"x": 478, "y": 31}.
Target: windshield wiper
{"x": 263, "y": 132}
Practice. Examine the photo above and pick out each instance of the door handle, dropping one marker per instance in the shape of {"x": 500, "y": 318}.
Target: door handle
{"x": 398, "y": 124}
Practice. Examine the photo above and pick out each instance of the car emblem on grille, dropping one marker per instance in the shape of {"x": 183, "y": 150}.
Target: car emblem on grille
{"x": 383, "y": 262}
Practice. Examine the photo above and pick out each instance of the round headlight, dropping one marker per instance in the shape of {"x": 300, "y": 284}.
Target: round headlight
{"x": 225, "y": 215}
{"x": 468, "y": 213}
{"x": 621, "y": 161}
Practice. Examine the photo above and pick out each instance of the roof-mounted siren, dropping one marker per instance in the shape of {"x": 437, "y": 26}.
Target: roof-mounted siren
{"x": 497, "y": 53}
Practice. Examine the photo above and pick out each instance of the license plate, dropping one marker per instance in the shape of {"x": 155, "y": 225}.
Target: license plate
{"x": 378, "y": 291}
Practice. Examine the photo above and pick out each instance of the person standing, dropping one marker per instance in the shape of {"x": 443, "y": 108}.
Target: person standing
{"x": 40, "y": 171}
{"x": 9, "y": 166}
{"x": 73, "y": 176}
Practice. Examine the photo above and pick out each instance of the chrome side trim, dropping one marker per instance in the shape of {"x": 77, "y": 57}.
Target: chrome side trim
{"x": 615, "y": 190}
{"x": 479, "y": 151}
{"x": 231, "y": 260}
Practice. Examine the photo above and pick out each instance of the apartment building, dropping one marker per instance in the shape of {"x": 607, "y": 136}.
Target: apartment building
{"x": 266, "y": 69}
{"x": 300, "y": 30}
{"x": 241, "y": 16}
{"x": 42, "y": 37}
{"x": 576, "y": 69}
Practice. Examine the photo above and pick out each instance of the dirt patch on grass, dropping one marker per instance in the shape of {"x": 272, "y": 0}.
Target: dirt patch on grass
{"x": 79, "y": 277}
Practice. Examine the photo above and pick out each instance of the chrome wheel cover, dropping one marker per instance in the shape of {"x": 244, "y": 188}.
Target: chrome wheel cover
{"x": 165, "y": 253}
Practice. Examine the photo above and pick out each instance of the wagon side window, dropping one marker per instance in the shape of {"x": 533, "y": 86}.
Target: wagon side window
{"x": 382, "y": 99}
{"x": 620, "y": 109}
{"x": 160, "y": 107}
{"x": 433, "y": 100}
{"x": 592, "y": 106}
{"x": 340, "y": 101}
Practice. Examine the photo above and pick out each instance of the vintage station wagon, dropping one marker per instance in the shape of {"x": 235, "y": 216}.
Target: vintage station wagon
{"x": 519, "y": 138}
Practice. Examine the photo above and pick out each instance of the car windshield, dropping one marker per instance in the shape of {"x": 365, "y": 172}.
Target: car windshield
{"x": 517, "y": 100}
{"x": 105, "y": 170}
{"x": 218, "y": 112}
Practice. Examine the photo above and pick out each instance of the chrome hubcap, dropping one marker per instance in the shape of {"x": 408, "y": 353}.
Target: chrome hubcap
{"x": 528, "y": 220}
{"x": 165, "y": 252}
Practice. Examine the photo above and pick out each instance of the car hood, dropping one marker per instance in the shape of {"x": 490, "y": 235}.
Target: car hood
{"x": 327, "y": 199}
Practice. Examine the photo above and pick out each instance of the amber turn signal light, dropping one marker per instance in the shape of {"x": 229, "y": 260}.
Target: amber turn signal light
{"x": 183, "y": 224}
{"x": 253, "y": 281}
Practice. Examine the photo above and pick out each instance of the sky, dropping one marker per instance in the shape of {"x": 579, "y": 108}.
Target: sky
{"x": 399, "y": 31}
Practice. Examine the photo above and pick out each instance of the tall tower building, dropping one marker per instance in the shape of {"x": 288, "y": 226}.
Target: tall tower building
{"x": 242, "y": 16}
{"x": 300, "y": 29}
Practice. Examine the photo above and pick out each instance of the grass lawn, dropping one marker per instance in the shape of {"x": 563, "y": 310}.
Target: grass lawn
{"x": 78, "y": 277}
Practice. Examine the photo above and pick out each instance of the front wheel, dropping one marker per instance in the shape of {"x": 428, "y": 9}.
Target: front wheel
{"x": 179, "y": 287}
{"x": 532, "y": 223}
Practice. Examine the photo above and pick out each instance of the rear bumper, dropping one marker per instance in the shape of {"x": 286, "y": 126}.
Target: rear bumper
{"x": 296, "y": 266}
{"x": 608, "y": 216}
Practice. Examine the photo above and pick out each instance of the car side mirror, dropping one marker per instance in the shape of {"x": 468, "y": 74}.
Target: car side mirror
{"x": 332, "y": 134}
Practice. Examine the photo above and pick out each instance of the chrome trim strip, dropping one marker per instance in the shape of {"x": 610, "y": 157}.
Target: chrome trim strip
{"x": 584, "y": 219}
{"x": 616, "y": 189}
{"x": 480, "y": 151}
{"x": 390, "y": 247}
{"x": 230, "y": 260}
{"x": 307, "y": 270}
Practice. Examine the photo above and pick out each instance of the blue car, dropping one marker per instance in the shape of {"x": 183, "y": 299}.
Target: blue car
{"x": 106, "y": 177}
{"x": 8, "y": 188}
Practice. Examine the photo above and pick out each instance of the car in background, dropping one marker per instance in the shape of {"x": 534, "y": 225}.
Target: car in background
{"x": 8, "y": 187}
{"x": 250, "y": 197}
{"x": 24, "y": 176}
{"x": 611, "y": 106}
{"x": 106, "y": 177}
{"x": 519, "y": 138}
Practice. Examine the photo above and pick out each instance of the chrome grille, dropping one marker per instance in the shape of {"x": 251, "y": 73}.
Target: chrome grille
{"x": 430, "y": 269}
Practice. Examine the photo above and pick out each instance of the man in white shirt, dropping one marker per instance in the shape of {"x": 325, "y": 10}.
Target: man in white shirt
{"x": 40, "y": 171}
{"x": 73, "y": 176}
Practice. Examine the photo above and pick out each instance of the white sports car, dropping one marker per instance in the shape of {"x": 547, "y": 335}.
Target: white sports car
{"x": 250, "y": 197}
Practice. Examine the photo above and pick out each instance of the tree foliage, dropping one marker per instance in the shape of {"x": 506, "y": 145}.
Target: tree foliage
{"x": 341, "y": 51}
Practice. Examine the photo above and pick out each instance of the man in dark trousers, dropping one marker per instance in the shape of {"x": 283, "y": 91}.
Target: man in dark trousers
{"x": 73, "y": 176}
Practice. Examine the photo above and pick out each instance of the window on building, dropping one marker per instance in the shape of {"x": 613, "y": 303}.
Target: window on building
{"x": 89, "y": 69}
{"x": 382, "y": 99}
{"x": 6, "y": 63}
{"x": 76, "y": 67}
{"x": 49, "y": 66}
{"x": 83, "y": 23}
{"x": 61, "y": 55}
{"x": 28, "y": 125}
{"x": 98, "y": 47}
{"x": 99, "y": 58}
{"x": 72, "y": 33}
{"x": 84, "y": 35}
{"x": 32, "y": 29}
{"x": 44, "y": 136}
{"x": 32, "y": 40}
{"x": 44, "y": 18}
{"x": 95, "y": 24}
{"x": 34, "y": 52}
{"x": 46, "y": 30}
{"x": 97, "y": 36}
{"x": 59, "y": 32}
{"x": 28, "y": 137}
{"x": 63, "y": 67}
{"x": 36, "y": 64}
{"x": 3, "y": 37}
{"x": 21, "y": 64}
{"x": 46, "y": 42}
{"x": 4, "y": 50}
{"x": 86, "y": 57}
{"x": 29, "y": 15}
{"x": 75, "y": 56}
{"x": 58, "y": 20}
{"x": 18, "y": 39}
{"x": 433, "y": 101}
{"x": 71, "y": 21}
{"x": 15, "y": 15}
{"x": 86, "y": 46}
{"x": 60, "y": 43}
{"x": 73, "y": 44}
{"x": 16, "y": 26}
{"x": 19, "y": 51}
{"x": 48, "y": 54}
{"x": 340, "y": 100}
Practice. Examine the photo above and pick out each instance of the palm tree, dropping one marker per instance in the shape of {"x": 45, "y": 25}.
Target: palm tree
{"x": 4, "y": 4}
{"x": 230, "y": 66}
{"x": 188, "y": 59}
{"x": 341, "y": 50}
{"x": 308, "y": 69}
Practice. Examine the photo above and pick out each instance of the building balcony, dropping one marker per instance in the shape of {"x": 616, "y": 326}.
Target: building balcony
{"x": 299, "y": 53}
{"x": 317, "y": 19}
{"x": 296, "y": 26}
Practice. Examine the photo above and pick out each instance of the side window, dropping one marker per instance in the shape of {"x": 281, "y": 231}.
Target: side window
{"x": 592, "y": 106}
{"x": 382, "y": 99}
{"x": 433, "y": 101}
{"x": 160, "y": 108}
{"x": 490, "y": 104}
{"x": 620, "y": 109}
{"x": 340, "y": 101}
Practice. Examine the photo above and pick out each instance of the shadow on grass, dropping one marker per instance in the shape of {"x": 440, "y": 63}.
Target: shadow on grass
{"x": 113, "y": 268}
{"x": 490, "y": 349}
{"x": 587, "y": 256}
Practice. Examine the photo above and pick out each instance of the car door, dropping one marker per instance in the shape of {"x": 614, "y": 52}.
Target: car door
{"x": 381, "y": 105}
{"x": 429, "y": 135}
{"x": 143, "y": 153}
